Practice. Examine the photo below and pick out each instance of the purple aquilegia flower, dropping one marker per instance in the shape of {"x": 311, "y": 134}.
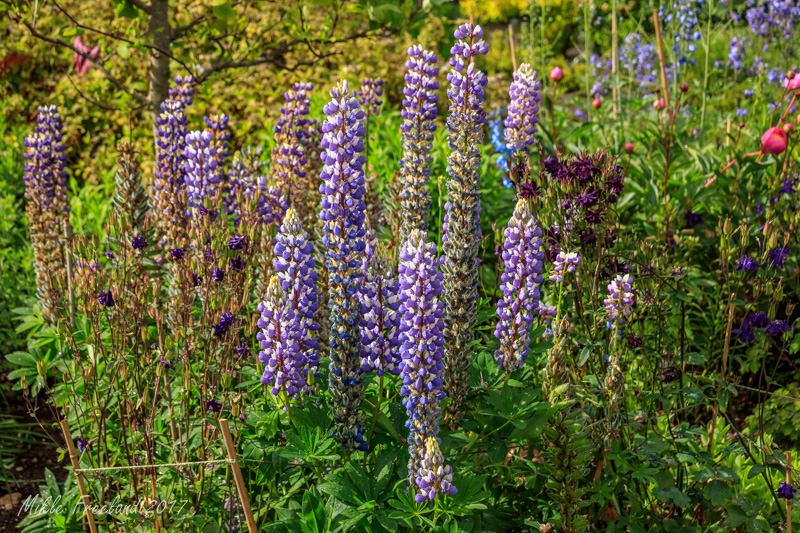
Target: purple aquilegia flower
{"x": 419, "y": 122}
{"x": 237, "y": 264}
{"x": 462, "y": 235}
{"x": 85, "y": 444}
{"x": 379, "y": 316}
{"x": 202, "y": 172}
{"x": 776, "y": 328}
{"x": 106, "y": 299}
{"x": 280, "y": 337}
{"x": 177, "y": 254}
{"x": 746, "y": 264}
{"x": 109, "y": 255}
{"x": 342, "y": 214}
{"x": 777, "y": 256}
{"x": 139, "y": 243}
{"x": 786, "y": 491}
{"x": 218, "y": 274}
{"x": 297, "y": 273}
{"x": 170, "y": 171}
{"x": 692, "y": 219}
{"x": 236, "y": 242}
{"x": 421, "y": 368}
{"x": 224, "y": 324}
{"x": 759, "y": 319}
{"x": 523, "y": 112}
{"x": 213, "y": 406}
{"x": 522, "y": 275}
{"x": 620, "y": 300}
{"x": 564, "y": 262}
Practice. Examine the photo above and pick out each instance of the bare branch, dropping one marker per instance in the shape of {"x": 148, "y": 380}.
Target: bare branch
{"x": 180, "y": 30}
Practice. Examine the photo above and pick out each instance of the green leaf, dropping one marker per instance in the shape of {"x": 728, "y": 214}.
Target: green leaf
{"x": 224, "y": 11}
{"x": 123, "y": 51}
{"x": 717, "y": 492}
{"x": 21, "y": 359}
{"x": 585, "y": 353}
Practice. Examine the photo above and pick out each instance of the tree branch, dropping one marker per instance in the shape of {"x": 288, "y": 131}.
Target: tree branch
{"x": 180, "y": 30}
{"x": 147, "y": 8}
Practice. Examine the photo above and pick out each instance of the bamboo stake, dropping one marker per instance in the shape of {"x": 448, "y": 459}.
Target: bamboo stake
{"x": 68, "y": 259}
{"x": 662, "y": 62}
{"x": 237, "y": 475}
{"x": 513, "y": 47}
{"x": 789, "y": 482}
{"x": 728, "y": 136}
{"x": 73, "y": 457}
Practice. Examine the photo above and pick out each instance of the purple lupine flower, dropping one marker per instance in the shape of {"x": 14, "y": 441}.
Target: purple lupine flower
{"x": 289, "y": 159}
{"x": 224, "y": 324}
{"x": 462, "y": 235}
{"x": 523, "y": 111}
{"x": 777, "y": 256}
{"x": 371, "y": 95}
{"x": 522, "y": 275}
{"x": 217, "y": 125}
{"x": 202, "y": 173}
{"x": 183, "y": 90}
{"x": 247, "y": 183}
{"x": 748, "y": 93}
{"x": 343, "y": 212}
{"x": 419, "y": 122}
{"x": 280, "y": 337}
{"x": 379, "y": 316}
{"x": 106, "y": 299}
{"x": 776, "y": 328}
{"x": 746, "y": 264}
{"x": 170, "y": 174}
{"x": 297, "y": 273}
{"x": 736, "y": 53}
{"x": 139, "y": 243}
{"x": 564, "y": 262}
{"x": 786, "y": 491}
{"x": 421, "y": 368}
{"x": 620, "y": 300}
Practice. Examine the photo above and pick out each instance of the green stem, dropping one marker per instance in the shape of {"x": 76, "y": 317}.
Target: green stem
{"x": 705, "y": 68}
{"x": 587, "y": 38}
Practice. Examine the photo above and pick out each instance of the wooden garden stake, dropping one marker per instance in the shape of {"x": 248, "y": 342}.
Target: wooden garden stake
{"x": 513, "y": 47}
{"x": 237, "y": 475}
{"x": 73, "y": 457}
{"x": 788, "y": 502}
{"x": 68, "y": 259}
{"x": 728, "y": 136}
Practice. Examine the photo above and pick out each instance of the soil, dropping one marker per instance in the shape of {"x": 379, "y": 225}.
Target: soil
{"x": 27, "y": 470}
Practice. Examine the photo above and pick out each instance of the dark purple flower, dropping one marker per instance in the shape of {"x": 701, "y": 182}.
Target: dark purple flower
{"x": 746, "y": 264}
{"x": 634, "y": 342}
{"x": 218, "y": 274}
{"x": 777, "y": 328}
{"x": 224, "y": 324}
{"x": 106, "y": 299}
{"x": 745, "y": 332}
{"x": 110, "y": 255}
{"x": 237, "y": 264}
{"x": 759, "y": 209}
{"x": 236, "y": 242}
{"x": 692, "y": 219}
{"x": 84, "y": 444}
{"x": 139, "y": 243}
{"x": 551, "y": 165}
{"x": 759, "y": 319}
{"x": 213, "y": 406}
{"x": 177, "y": 254}
{"x": 777, "y": 256}
{"x": 786, "y": 491}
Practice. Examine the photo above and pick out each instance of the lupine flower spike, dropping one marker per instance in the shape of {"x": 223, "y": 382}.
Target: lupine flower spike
{"x": 202, "y": 171}
{"x": 523, "y": 114}
{"x": 522, "y": 258}
{"x": 169, "y": 183}
{"x": 379, "y": 316}
{"x": 421, "y": 350}
{"x": 461, "y": 228}
{"x": 288, "y": 156}
{"x": 280, "y": 338}
{"x": 419, "y": 122}
{"x": 342, "y": 213}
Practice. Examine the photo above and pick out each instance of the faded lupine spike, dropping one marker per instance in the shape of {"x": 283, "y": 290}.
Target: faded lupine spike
{"x": 461, "y": 228}
{"x": 45, "y": 180}
{"x": 247, "y": 182}
{"x": 288, "y": 156}
{"x": 218, "y": 126}
{"x": 523, "y": 113}
{"x": 280, "y": 338}
{"x": 130, "y": 199}
{"x": 169, "y": 183}
{"x": 419, "y": 122}
{"x": 371, "y": 95}
{"x": 342, "y": 214}
{"x": 522, "y": 259}
{"x": 379, "y": 316}
{"x": 298, "y": 276}
{"x": 434, "y": 477}
{"x": 421, "y": 344}
{"x": 202, "y": 171}
{"x": 183, "y": 90}
{"x": 556, "y": 376}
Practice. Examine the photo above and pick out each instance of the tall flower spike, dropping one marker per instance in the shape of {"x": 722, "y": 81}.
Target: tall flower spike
{"x": 522, "y": 258}
{"x": 371, "y": 95}
{"x": 421, "y": 350}
{"x": 379, "y": 316}
{"x": 280, "y": 342}
{"x": 45, "y": 180}
{"x": 434, "y": 477}
{"x": 419, "y": 122}
{"x": 169, "y": 183}
{"x": 523, "y": 113}
{"x": 183, "y": 90}
{"x": 461, "y": 228}
{"x": 296, "y": 272}
{"x": 130, "y": 199}
{"x": 342, "y": 214}
{"x": 620, "y": 301}
{"x": 202, "y": 172}
{"x": 288, "y": 155}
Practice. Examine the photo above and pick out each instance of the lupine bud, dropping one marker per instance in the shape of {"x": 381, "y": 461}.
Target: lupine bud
{"x": 202, "y": 170}
{"x": 556, "y": 74}
{"x": 773, "y": 141}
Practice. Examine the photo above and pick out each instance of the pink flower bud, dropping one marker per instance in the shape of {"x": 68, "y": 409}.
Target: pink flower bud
{"x": 556, "y": 74}
{"x": 659, "y": 105}
{"x": 628, "y": 148}
{"x": 792, "y": 83}
{"x": 788, "y": 128}
{"x": 773, "y": 141}
{"x": 596, "y": 103}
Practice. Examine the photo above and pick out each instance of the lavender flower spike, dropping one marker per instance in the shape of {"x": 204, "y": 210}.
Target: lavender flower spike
{"x": 419, "y": 122}
{"x": 462, "y": 231}
{"x": 523, "y": 112}
{"x": 48, "y": 208}
{"x": 280, "y": 342}
{"x": 522, "y": 257}
{"x": 342, "y": 214}
{"x": 421, "y": 343}
{"x": 296, "y": 272}
{"x": 379, "y": 316}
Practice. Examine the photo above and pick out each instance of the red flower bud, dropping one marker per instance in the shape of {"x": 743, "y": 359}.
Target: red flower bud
{"x": 659, "y": 105}
{"x": 596, "y": 103}
{"x": 556, "y": 74}
{"x": 629, "y": 148}
{"x": 773, "y": 141}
